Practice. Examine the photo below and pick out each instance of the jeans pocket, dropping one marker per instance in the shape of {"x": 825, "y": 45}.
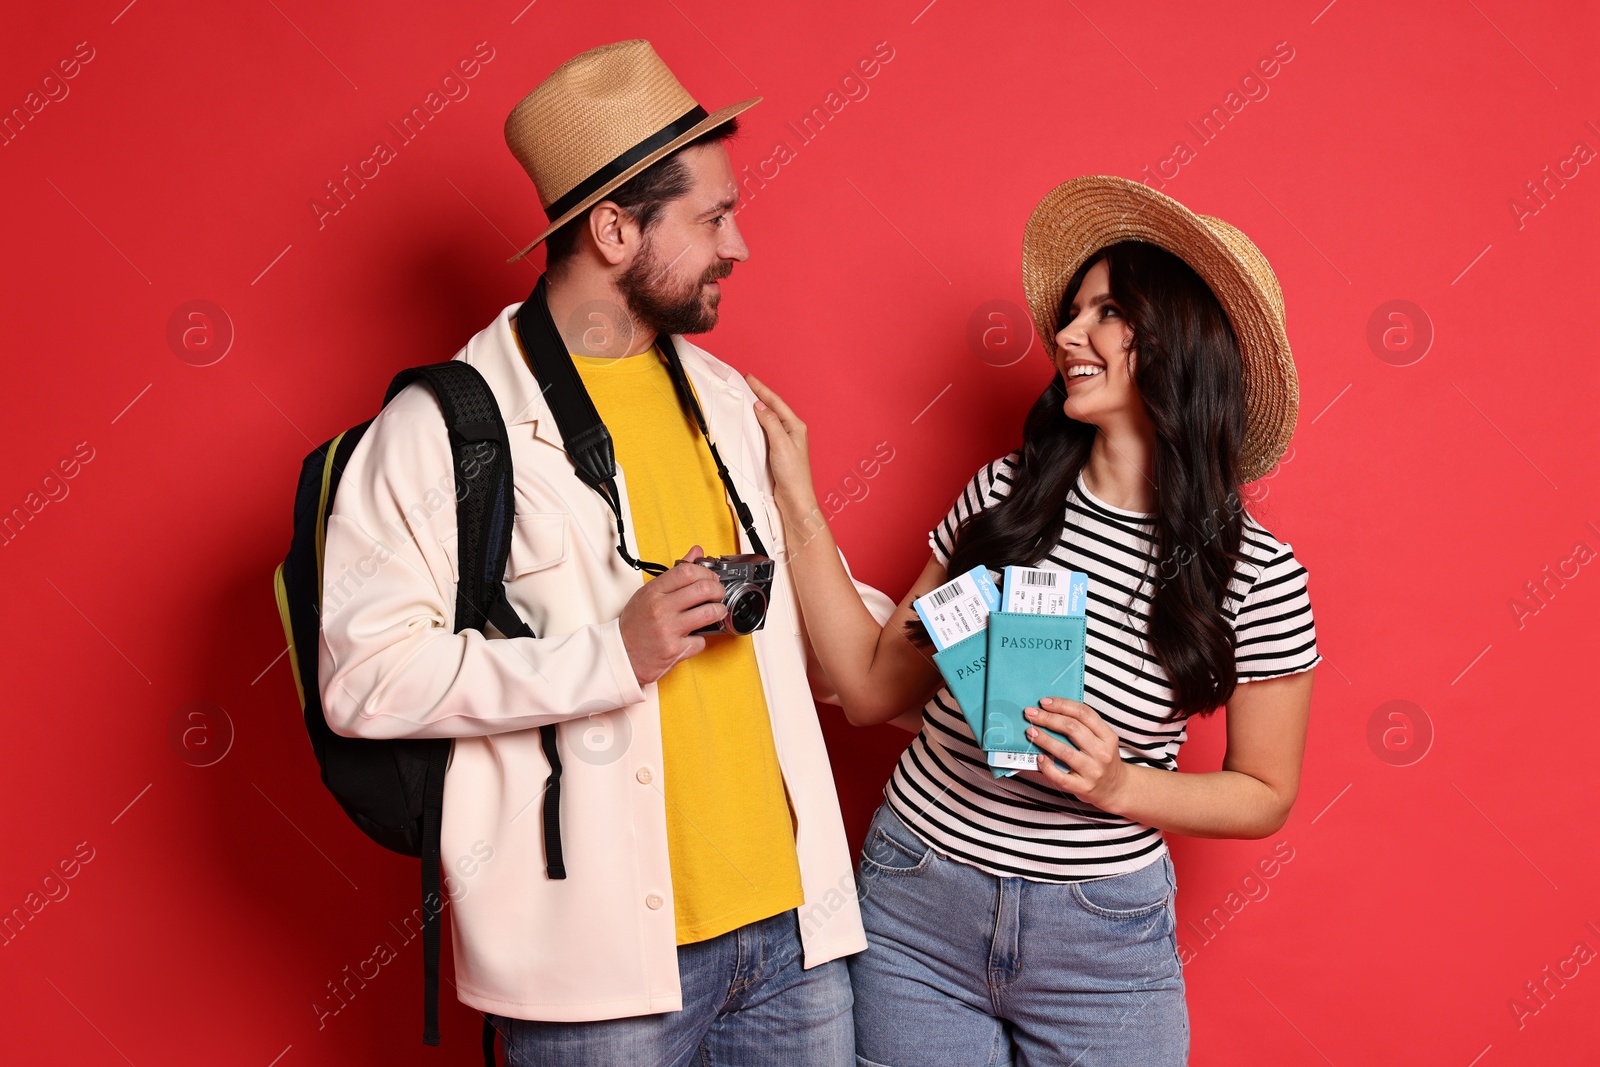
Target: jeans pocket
{"x": 1131, "y": 895}
{"x": 892, "y": 848}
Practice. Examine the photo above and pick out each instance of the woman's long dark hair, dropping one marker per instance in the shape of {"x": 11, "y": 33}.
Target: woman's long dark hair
{"x": 1187, "y": 369}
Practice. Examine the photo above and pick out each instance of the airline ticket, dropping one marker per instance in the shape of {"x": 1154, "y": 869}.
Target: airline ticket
{"x": 1045, "y": 591}
{"x": 959, "y": 608}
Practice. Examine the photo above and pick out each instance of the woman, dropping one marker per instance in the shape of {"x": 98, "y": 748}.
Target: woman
{"x": 1030, "y": 919}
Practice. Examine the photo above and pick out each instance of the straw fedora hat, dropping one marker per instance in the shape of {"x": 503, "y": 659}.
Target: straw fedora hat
{"x": 600, "y": 118}
{"x": 1079, "y": 217}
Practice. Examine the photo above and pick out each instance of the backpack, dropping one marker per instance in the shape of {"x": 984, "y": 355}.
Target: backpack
{"x": 393, "y": 789}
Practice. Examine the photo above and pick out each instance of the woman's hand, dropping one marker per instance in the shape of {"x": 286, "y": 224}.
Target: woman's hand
{"x": 1098, "y": 774}
{"x": 787, "y": 452}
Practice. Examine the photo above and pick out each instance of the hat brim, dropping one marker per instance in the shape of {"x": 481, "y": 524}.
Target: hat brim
{"x": 711, "y": 121}
{"x": 1081, "y": 216}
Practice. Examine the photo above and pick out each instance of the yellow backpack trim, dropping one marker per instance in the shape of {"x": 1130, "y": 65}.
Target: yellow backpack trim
{"x": 282, "y": 593}
{"x": 288, "y": 631}
{"x": 322, "y": 509}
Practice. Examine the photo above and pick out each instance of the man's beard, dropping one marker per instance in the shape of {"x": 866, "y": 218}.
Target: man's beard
{"x": 647, "y": 287}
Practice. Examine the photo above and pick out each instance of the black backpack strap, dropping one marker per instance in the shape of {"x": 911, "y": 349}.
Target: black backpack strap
{"x": 508, "y": 622}
{"x": 484, "y": 501}
{"x": 485, "y": 512}
{"x": 432, "y": 901}
{"x": 488, "y": 1042}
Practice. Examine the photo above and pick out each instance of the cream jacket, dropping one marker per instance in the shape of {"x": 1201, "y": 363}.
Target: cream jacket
{"x": 601, "y": 943}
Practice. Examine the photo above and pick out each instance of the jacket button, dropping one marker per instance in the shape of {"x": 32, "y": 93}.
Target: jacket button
{"x": 653, "y": 901}
{"x": 643, "y": 774}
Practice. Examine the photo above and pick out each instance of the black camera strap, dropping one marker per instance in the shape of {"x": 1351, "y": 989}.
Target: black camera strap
{"x": 587, "y": 441}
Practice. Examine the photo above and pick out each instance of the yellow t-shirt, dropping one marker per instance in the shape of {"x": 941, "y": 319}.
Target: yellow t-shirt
{"x": 730, "y": 831}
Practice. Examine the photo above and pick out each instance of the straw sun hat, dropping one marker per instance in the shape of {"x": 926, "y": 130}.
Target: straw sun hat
{"x": 1079, "y": 217}
{"x": 600, "y": 118}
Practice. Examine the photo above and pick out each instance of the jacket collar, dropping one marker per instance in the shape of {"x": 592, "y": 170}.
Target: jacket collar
{"x": 496, "y": 354}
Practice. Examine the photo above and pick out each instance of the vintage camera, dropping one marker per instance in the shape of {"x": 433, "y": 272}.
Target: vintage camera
{"x": 747, "y": 584}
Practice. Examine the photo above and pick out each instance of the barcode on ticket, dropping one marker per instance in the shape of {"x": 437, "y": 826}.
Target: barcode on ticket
{"x": 1046, "y": 591}
{"x": 959, "y": 608}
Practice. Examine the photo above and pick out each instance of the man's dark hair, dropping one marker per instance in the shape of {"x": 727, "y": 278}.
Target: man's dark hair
{"x": 641, "y": 196}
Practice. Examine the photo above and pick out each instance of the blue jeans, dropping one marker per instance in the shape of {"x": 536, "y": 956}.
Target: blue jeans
{"x": 746, "y": 1000}
{"x": 967, "y": 968}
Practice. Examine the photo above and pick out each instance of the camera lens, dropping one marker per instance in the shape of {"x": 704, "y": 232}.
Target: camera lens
{"x": 747, "y": 607}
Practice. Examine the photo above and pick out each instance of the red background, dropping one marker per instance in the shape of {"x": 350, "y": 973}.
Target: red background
{"x": 1383, "y": 165}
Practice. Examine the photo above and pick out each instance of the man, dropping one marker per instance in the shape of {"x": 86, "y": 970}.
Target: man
{"x": 709, "y": 898}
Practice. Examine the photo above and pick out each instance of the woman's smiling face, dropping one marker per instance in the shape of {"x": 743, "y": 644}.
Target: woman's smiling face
{"x": 1095, "y": 366}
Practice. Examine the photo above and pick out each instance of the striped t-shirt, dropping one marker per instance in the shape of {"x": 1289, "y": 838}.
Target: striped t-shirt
{"x": 1021, "y": 825}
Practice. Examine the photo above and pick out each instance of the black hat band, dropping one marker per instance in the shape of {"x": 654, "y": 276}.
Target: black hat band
{"x": 600, "y": 178}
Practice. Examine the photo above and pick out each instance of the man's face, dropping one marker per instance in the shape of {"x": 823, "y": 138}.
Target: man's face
{"x": 671, "y": 285}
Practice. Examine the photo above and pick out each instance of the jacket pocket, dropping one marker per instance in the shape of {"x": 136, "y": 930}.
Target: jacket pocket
{"x": 537, "y": 541}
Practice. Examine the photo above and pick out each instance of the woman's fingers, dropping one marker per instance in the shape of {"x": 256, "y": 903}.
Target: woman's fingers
{"x": 779, "y": 435}
{"x": 1060, "y": 749}
{"x": 771, "y": 424}
{"x": 1055, "y": 720}
{"x": 1077, "y": 709}
{"x": 783, "y": 451}
{"x": 1077, "y": 731}
{"x": 785, "y": 414}
{"x": 786, "y": 450}
{"x": 763, "y": 391}
{"x": 1061, "y": 775}
{"x": 1091, "y": 745}
{"x": 1088, "y": 770}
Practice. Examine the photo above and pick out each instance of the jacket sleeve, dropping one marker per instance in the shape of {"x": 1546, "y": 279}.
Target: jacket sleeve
{"x": 389, "y": 663}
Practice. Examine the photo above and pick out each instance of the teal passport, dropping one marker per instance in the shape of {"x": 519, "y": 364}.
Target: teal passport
{"x": 1030, "y": 657}
{"x": 962, "y": 667}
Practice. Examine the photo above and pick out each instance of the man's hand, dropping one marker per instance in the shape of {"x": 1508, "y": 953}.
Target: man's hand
{"x": 658, "y": 619}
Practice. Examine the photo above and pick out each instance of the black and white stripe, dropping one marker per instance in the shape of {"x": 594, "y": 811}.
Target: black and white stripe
{"x": 943, "y": 789}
